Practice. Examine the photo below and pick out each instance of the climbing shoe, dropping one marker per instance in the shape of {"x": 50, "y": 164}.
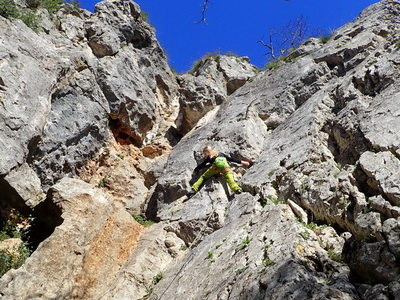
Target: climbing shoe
{"x": 238, "y": 192}
{"x": 190, "y": 194}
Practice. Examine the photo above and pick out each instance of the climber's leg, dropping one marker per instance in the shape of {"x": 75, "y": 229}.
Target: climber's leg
{"x": 230, "y": 180}
{"x": 205, "y": 176}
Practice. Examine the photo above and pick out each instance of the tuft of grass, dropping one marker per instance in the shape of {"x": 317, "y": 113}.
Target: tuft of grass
{"x": 273, "y": 64}
{"x": 142, "y": 220}
{"x": 245, "y": 243}
{"x": 241, "y": 270}
{"x": 334, "y": 256}
{"x": 144, "y": 16}
{"x": 305, "y": 186}
{"x": 305, "y": 234}
{"x": 276, "y": 200}
{"x": 267, "y": 262}
{"x": 325, "y": 38}
{"x": 210, "y": 256}
{"x": 51, "y": 5}
{"x": 398, "y": 44}
{"x": 104, "y": 181}
{"x": 199, "y": 63}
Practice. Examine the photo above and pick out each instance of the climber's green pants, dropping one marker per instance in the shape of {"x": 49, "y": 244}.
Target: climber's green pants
{"x": 228, "y": 176}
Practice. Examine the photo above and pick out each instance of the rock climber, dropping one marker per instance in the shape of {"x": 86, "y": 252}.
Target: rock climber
{"x": 219, "y": 165}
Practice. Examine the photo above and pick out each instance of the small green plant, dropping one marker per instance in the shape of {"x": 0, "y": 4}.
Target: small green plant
{"x": 276, "y": 200}
{"x": 217, "y": 246}
{"x": 183, "y": 247}
{"x": 305, "y": 234}
{"x": 121, "y": 156}
{"x": 210, "y": 256}
{"x": 273, "y": 64}
{"x": 334, "y": 256}
{"x": 143, "y": 221}
{"x": 267, "y": 262}
{"x": 8, "y": 9}
{"x": 51, "y": 5}
{"x": 13, "y": 260}
{"x": 245, "y": 243}
{"x": 198, "y": 63}
{"x": 104, "y": 181}
{"x": 305, "y": 186}
{"x": 30, "y": 20}
{"x": 325, "y": 38}
{"x": 157, "y": 278}
{"x": 9, "y": 231}
{"x": 398, "y": 44}
{"x": 241, "y": 270}
{"x": 144, "y": 16}
{"x": 150, "y": 288}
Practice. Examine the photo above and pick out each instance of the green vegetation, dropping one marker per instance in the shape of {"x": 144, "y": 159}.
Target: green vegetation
{"x": 334, "y": 256}
{"x": 273, "y": 64}
{"x": 144, "y": 16}
{"x": 157, "y": 278}
{"x": 276, "y": 200}
{"x": 245, "y": 243}
{"x": 325, "y": 38}
{"x": 9, "y": 231}
{"x": 276, "y": 63}
{"x": 51, "y": 5}
{"x": 150, "y": 289}
{"x": 305, "y": 186}
{"x": 241, "y": 270}
{"x": 398, "y": 44}
{"x": 104, "y": 181}
{"x": 30, "y": 20}
{"x": 8, "y": 9}
{"x": 305, "y": 234}
{"x": 210, "y": 256}
{"x": 212, "y": 55}
{"x": 13, "y": 260}
{"x": 267, "y": 262}
{"x": 198, "y": 63}
{"x": 121, "y": 156}
{"x": 142, "y": 220}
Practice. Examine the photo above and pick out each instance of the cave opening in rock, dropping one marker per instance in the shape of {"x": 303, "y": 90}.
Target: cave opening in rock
{"x": 18, "y": 220}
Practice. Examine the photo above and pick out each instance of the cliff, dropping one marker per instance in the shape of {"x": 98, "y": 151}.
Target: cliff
{"x": 97, "y": 128}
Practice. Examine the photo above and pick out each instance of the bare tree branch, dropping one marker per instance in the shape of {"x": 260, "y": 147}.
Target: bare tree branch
{"x": 285, "y": 39}
{"x": 203, "y": 11}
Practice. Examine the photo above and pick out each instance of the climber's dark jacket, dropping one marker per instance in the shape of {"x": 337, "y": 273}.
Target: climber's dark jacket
{"x": 210, "y": 161}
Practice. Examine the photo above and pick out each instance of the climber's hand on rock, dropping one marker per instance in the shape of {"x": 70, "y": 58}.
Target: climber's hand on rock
{"x": 245, "y": 163}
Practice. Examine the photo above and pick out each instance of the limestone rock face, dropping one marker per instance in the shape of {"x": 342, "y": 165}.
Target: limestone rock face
{"x": 93, "y": 233}
{"x": 208, "y": 85}
{"x": 80, "y": 95}
{"x": 319, "y": 215}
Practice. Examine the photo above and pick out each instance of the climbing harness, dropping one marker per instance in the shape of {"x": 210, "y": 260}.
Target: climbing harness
{"x": 221, "y": 165}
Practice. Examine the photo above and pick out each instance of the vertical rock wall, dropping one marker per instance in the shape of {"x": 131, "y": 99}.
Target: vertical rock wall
{"x": 319, "y": 216}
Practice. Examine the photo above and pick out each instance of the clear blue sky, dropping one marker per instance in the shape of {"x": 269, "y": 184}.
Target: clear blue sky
{"x": 235, "y": 25}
